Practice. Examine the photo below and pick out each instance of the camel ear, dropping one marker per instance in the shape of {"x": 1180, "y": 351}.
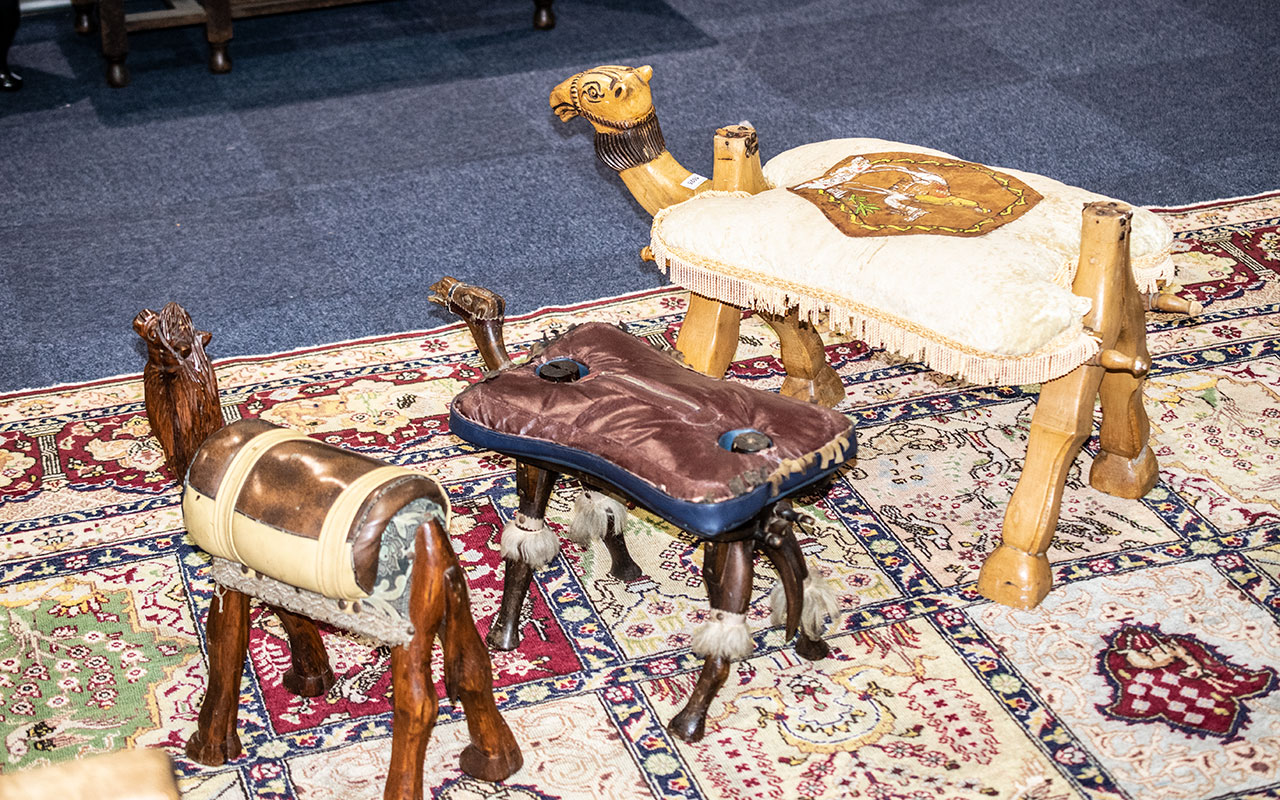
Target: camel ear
{"x": 145, "y": 323}
{"x": 645, "y": 73}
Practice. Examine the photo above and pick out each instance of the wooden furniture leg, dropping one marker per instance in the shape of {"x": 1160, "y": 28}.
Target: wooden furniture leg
{"x": 10, "y": 19}
{"x": 533, "y": 485}
{"x": 544, "y": 19}
{"x": 468, "y": 674}
{"x": 115, "y": 42}
{"x": 215, "y": 741}
{"x": 809, "y": 376}
{"x": 726, "y": 569}
{"x": 217, "y": 31}
{"x": 83, "y": 15}
{"x": 309, "y": 674}
{"x": 413, "y": 692}
{"x": 779, "y": 545}
{"x": 1126, "y": 467}
{"x": 1017, "y": 573}
{"x": 709, "y": 335}
{"x": 621, "y": 565}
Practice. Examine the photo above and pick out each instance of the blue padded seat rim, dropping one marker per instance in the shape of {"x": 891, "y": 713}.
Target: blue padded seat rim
{"x": 702, "y": 519}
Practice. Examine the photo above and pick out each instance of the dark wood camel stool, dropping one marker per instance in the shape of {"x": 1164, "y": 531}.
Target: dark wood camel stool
{"x": 319, "y": 533}
{"x": 716, "y": 458}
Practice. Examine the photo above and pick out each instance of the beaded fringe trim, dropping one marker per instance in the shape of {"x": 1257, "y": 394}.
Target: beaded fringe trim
{"x": 535, "y": 546}
{"x": 749, "y": 289}
{"x": 724, "y": 634}
{"x": 378, "y": 620}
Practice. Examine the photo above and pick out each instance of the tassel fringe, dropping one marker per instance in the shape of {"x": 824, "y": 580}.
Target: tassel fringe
{"x": 745, "y": 288}
{"x": 725, "y": 634}
{"x": 593, "y": 512}
{"x": 820, "y": 605}
{"x": 523, "y": 542}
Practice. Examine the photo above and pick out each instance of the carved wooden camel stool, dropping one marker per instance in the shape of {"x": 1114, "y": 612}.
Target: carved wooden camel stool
{"x": 714, "y": 458}
{"x": 317, "y": 532}
{"x": 618, "y": 103}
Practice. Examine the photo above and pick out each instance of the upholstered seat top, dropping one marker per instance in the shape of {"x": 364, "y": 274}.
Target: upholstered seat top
{"x": 965, "y": 267}
{"x": 705, "y": 454}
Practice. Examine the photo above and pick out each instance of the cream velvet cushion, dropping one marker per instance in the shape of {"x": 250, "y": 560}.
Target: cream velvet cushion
{"x": 992, "y": 308}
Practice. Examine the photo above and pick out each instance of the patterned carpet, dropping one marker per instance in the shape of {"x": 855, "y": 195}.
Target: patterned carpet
{"x": 1150, "y": 670}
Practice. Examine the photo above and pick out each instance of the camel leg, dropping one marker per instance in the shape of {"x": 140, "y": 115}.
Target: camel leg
{"x": 215, "y": 741}
{"x": 809, "y": 376}
{"x": 709, "y": 335}
{"x": 1017, "y": 573}
{"x": 309, "y": 674}
{"x": 1126, "y": 467}
{"x": 468, "y": 674}
{"x": 726, "y": 569}
{"x": 534, "y": 488}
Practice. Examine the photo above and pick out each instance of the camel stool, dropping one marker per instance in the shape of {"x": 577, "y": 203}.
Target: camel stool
{"x": 980, "y": 272}
{"x": 321, "y": 533}
{"x": 715, "y": 458}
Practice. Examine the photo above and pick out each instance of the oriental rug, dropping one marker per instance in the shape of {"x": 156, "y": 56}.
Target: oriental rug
{"x": 1149, "y": 671}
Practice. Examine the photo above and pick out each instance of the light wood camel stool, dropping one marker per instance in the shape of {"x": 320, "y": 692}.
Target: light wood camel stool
{"x": 853, "y": 231}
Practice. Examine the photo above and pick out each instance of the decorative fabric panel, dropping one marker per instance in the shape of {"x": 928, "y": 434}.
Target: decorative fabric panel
{"x": 995, "y": 308}
{"x": 899, "y": 194}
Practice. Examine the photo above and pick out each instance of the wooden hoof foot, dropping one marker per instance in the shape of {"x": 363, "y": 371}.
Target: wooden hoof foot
{"x": 211, "y": 753}
{"x": 503, "y": 635}
{"x": 491, "y": 766}
{"x": 315, "y": 685}
{"x": 626, "y": 572}
{"x": 811, "y": 649}
{"x": 219, "y": 60}
{"x": 1016, "y": 579}
{"x": 689, "y": 725}
{"x": 1119, "y": 476}
{"x": 825, "y": 389}
{"x": 117, "y": 74}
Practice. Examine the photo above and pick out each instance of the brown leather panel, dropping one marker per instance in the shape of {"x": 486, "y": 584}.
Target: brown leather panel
{"x": 377, "y": 511}
{"x": 294, "y": 483}
{"x": 210, "y": 461}
{"x": 645, "y": 412}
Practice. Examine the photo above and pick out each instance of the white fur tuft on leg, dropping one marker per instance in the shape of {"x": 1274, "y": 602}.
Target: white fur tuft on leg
{"x": 723, "y": 634}
{"x": 592, "y": 513}
{"x": 819, "y": 600}
{"x": 529, "y": 541}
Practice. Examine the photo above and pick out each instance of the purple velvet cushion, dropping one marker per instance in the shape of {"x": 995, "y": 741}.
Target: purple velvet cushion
{"x": 638, "y": 409}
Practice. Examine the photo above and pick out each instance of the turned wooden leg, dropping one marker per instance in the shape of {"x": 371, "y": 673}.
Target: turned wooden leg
{"x": 115, "y": 42}
{"x": 309, "y": 674}
{"x": 709, "y": 335}
{"x": 726, "y": 570}
{"x": 83, "y": 15}
{"x": 544, "y": 19}
{"x": 1017, "y": 573}
{"x": 215, "y": 741}
{"x": 468, "y": 674}
{"x": 413, "y": 692}
{"x": 534, "y": 488}
{"x": 809, "y": 376}
{"x": 1125, "y": 466}
{"x": 218, "y": 34}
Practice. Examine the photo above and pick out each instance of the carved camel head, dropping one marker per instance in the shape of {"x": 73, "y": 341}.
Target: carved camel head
{"x": 611, "y": 97}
